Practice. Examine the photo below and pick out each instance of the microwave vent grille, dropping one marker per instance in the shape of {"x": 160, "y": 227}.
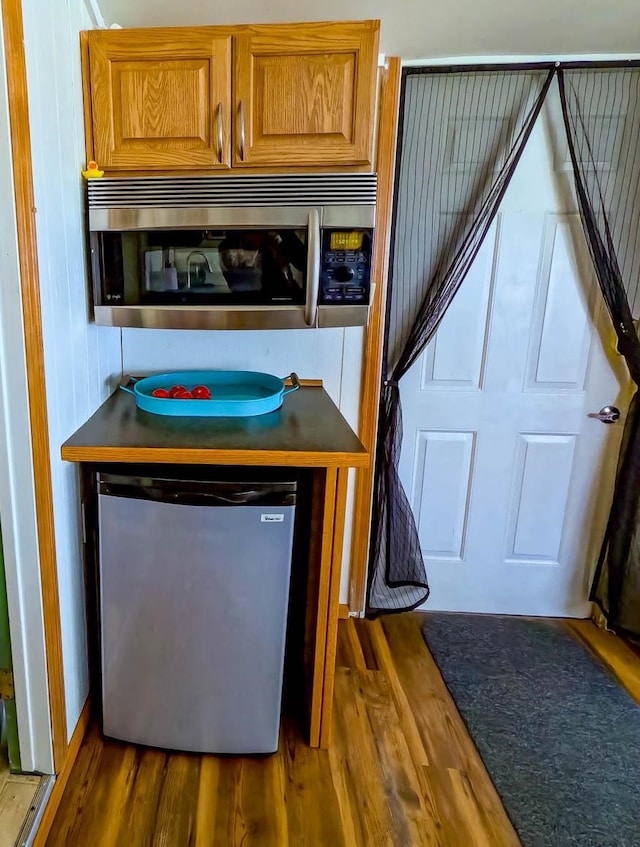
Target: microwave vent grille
{"x": 211, "y": 192}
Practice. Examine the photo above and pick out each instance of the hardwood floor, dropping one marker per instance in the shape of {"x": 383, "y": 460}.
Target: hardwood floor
{"x": 16, "y": 795}
{"x": 401, "y": 769}
{"x": 620, "y": 656}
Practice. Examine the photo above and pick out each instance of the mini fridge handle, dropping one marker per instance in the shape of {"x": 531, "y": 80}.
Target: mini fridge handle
{"x": 198, "y": 492}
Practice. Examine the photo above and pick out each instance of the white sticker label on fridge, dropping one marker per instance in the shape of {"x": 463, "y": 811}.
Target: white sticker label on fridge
{"x": 272, "y": 518}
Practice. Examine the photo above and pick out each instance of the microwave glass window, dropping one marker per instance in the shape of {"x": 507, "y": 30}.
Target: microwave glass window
{"x": 216, "y": 267}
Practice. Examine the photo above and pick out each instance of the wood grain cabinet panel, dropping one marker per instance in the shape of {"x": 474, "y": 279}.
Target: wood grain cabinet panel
{"x": 304, "y": 94}
{"x": 160, "y": 98}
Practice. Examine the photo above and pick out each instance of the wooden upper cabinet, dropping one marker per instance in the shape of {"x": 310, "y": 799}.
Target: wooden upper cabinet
{"x": 206, "y": 98}
{"x": 304, "y": 94}
{"x": 160, "y": 98}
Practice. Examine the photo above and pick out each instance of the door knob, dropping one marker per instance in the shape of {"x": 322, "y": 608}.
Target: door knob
{"x": 608, "y": 414}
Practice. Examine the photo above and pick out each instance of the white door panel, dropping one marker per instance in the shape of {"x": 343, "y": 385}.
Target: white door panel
{"x": 456, "y": 357}
{"x": 559, "y": 348}
{"x": 442, "y": 481}
{"x": 509, "y": 480}
{"x": 538, "y": 497}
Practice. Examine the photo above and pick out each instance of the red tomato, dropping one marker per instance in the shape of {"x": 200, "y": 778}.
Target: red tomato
{"x": 183, "y": 395}
{"x": 176, "y": 389}
{"x": 201, "y": 392}
{"x": 160, "y": 392}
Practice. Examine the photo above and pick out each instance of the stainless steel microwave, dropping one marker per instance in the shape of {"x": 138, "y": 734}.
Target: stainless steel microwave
{"x": 235, "y": 252}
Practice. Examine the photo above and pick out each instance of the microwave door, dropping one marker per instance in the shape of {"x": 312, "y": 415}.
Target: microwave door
{"x": 202, "y": 317}
{"x": 227, "y": 277}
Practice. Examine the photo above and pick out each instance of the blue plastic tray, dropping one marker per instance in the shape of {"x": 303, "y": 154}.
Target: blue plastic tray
{"x": 234, "y": 394}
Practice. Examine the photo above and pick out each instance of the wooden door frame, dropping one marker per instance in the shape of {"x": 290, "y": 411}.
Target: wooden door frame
{"x": 388, "y": 113}
{"x": 16, "y": 74}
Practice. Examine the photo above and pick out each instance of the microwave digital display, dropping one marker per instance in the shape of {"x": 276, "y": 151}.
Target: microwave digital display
{"x": 341, "y": 240}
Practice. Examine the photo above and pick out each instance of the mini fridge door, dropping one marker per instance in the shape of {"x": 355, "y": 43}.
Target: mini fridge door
{"x": 193, "y": 603}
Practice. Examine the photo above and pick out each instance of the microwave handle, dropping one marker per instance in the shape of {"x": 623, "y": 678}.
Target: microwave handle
{"x": 313, "y": 268}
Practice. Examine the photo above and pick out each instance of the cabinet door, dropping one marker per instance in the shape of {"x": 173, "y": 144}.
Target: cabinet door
{"x": 304, "y": 94}
{"x": 160, "y": 98}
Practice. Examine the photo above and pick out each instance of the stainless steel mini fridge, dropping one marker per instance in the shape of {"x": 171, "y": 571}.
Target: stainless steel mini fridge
{"x": 194, "y": 585}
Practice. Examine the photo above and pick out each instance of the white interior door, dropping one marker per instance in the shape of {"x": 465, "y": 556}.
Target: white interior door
{"x": 509, "y": 480}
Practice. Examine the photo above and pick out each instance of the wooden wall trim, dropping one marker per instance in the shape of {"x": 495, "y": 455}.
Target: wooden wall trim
{"x": 86, "y": 96}
{"x": 372, "y": 366}
{"x": 30, "y": 287}
{"x": 63, "y": 777}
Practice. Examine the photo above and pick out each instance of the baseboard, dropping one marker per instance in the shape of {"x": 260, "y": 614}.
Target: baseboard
{"x": 343, "y": 611}
{"x": 63, "y": 777}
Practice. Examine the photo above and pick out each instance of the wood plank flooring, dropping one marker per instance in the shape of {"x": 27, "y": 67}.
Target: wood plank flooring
{"x": 620, "y": 656}
{"x": 401, "y": 770}
{"x": 16, "y": 794}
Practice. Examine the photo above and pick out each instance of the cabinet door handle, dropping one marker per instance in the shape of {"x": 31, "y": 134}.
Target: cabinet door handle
{"x": 242, "y": 135}
{"x": 220, "y": 134}
{"x": 313, "y": 268}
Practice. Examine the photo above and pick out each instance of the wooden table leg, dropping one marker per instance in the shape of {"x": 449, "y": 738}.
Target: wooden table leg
{"x": 333, "y": 614}
{"x": 331, "y": 582}
{"x": 320, "y": 603}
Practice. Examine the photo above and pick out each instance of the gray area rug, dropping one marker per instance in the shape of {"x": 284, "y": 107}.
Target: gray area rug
{"x": 558, "y": 735}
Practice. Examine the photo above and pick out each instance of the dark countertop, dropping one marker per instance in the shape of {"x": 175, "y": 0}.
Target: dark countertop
{"x": 307, "y": 431}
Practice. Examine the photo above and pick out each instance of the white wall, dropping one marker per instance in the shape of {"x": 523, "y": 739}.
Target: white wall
{"x": 333, "y": 355}
{"x": 423, "y": 28}
{"x": 81, "y": 360}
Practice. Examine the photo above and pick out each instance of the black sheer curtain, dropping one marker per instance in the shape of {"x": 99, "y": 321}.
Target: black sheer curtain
{"x": 462, "y": 136}
{"x": 601, "y": 111}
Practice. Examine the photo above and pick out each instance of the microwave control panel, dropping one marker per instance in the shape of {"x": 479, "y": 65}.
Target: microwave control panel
{"x": 345, "y": 267}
